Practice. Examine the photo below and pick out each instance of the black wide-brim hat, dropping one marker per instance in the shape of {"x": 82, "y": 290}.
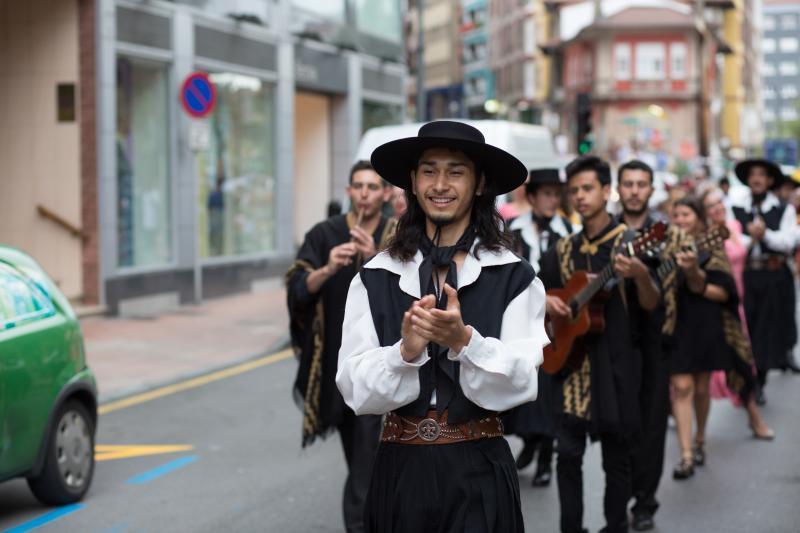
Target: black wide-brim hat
{"x": 395, "y": 160}
{"x": 773, "y": 170}
{"x": 542, "y": 176}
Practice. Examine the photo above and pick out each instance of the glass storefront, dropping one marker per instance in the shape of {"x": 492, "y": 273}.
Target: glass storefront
{"x": 375, "y": 114}
{"x": 144, "y": 221}
{"x": 237, "y": 171}
{"x": 380, "y": 18}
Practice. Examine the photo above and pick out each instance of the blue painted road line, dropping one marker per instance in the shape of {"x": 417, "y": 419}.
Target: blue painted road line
{"x": 150, "y": 475}
{"x": 46, "y": 518}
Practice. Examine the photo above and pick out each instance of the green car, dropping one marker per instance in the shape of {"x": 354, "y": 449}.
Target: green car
{"x": 48, "y": 395}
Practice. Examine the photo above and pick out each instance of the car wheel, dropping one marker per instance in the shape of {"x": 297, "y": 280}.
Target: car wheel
{"x": 69, "y": 457}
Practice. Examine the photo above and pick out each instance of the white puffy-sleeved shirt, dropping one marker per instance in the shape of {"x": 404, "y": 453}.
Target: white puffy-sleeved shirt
{"x": 780, "y": 220}
{"x": 497, "y": 292}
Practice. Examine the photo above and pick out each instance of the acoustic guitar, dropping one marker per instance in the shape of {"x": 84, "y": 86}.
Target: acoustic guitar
{"x": 582, "y": 294}
{"x": 709, "y": 240}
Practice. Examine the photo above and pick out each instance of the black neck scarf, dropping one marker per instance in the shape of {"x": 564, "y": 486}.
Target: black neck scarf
{"x": 758, "y": 199}
{"x": 434, "y": 258}
{"x": 542, "y": 223}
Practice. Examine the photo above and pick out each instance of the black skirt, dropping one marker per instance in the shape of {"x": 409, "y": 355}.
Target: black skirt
{"x": 770, "y": 310}
{"x": 451, "y": 488}
{"x": 537, "y": 417}
{"x": 699, "y": 341}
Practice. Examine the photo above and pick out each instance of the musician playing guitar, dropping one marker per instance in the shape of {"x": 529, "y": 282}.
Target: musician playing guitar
{"x": 601, "y": 398}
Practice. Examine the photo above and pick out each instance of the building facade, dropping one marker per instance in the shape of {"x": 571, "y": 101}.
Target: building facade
{"x": 522, "y": 71}
{"x": 780, "y": 70}
{"x": 639, "y": 76}
{"x": 478, "y": 76}
{"x": 176, "y": 209}
{"x": 442, "y": 64}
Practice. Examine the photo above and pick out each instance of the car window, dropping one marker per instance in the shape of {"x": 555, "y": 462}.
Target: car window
{"x": 21, "y": 300}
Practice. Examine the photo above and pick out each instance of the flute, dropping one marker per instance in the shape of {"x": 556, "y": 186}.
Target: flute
{"x": 359, "y": 218}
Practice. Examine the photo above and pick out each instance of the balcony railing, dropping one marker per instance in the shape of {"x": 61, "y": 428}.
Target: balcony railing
{"x": 613, "y": 89}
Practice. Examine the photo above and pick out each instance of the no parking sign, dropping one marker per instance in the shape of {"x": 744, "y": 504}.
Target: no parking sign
{"x": 198, "y": 95}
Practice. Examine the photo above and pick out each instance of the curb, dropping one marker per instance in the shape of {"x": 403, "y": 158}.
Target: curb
{"x": 280, "y": 344}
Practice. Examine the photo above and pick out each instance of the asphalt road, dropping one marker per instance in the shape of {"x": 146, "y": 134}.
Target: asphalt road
{"x": 246, "y": 472}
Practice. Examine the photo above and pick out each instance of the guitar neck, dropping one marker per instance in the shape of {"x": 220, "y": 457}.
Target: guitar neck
{"x": 587, "y": 293}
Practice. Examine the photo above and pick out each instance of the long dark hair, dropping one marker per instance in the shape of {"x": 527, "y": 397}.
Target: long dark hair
{"x": 485, "y": 219}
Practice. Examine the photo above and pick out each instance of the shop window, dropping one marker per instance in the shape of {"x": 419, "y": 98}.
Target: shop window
{"x": 768, "y": 46}
{"x": 789, "y": 22}
{"x": 236, "y": 179}
{"x": 144, "y": 216}
{"x": 769, "y": 23}
{"x": 788, "y": 92}
{"x": 374, "y": 114}
{"x": 767, "y": 69}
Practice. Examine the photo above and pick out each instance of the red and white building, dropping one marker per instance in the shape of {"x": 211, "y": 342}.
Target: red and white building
{"x": 648, "y": 74}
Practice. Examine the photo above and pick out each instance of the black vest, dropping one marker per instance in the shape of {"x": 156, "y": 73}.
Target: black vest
{"x": 482, "y": 306}
{"x": 772, "y": 220}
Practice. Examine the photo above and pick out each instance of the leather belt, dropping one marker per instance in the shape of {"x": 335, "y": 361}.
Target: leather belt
{"x": 434, "y": 430}
{"x": 770, "y": 262}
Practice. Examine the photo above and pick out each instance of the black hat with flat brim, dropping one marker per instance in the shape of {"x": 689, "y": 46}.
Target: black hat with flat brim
{"x": 773, "y": 170}
{"x": 542, "y": 176}
{"x": 395, "y": 160}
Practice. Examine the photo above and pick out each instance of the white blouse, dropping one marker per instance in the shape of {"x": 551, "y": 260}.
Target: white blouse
{"x": 496, "y": 374}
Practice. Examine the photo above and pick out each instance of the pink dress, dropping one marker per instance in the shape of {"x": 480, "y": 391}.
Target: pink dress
{"x": 508, "y": 211}
{"x": 737, "y": 255}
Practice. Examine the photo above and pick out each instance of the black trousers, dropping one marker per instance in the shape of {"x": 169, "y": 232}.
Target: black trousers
{"x": 569, "y": 466}
{"x": 648, "y": 455}
{"x": 360, "y": 436}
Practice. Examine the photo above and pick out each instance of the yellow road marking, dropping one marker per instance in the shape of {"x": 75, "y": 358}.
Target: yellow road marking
{"x": 109, "y": 452}
{"x": 193, "y": 383}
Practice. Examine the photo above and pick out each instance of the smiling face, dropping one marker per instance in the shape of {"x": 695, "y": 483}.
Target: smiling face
{"x": 635, "y": 188}
{"x": 445, "y": 185}
{"x": 715, "y": 208}
{"x": 686, "y": 219}
{"x": 587, "y": 194}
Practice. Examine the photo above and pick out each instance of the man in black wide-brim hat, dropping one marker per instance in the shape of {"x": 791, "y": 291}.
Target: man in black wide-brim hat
{"x": 769, "y": 231}
{"x": 442, "y": 331}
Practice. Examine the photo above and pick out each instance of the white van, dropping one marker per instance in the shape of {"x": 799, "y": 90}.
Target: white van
{"x": 533, "y": 145}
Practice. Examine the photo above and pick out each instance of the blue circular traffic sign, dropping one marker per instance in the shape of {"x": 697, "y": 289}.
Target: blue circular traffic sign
{"x": 198, "y": 95}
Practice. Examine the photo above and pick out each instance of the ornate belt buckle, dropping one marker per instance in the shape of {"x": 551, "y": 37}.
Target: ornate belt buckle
{"x": 429, "y": 430}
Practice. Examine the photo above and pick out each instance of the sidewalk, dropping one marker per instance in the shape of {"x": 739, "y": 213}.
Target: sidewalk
{"x": 134, "y": 355}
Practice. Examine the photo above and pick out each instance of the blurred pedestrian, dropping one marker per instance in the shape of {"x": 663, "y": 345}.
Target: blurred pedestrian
{"x": 317, "y": 282}
{"x": 518, "y": 205}
{"x": 442, "y": 331}
{"x": 735, "y": 250}
{"x": 707, "y": 335}
{"x": 534, "y": 422}
{"x": 770, "y": 235}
